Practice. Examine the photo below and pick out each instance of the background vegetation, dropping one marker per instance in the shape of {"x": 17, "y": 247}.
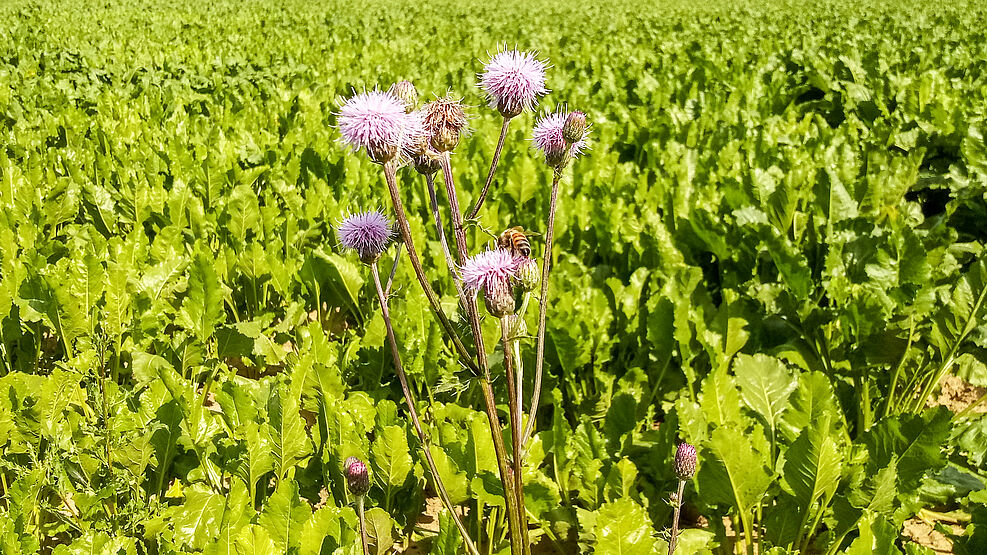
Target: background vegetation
{"x": 775, "y": 251}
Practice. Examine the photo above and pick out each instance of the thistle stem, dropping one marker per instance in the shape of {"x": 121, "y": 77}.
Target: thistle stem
{"x": 546, "y": 269}
{"x": 363, "y": 524}
{"x": 434, "y": 203}
{"x": 390, "y": 174}
{"x": 394, "y": 269}
{"x": 493, "y": 168}
{"x": 413, "y": 414}
{"x": 675, "y": 518}
{"x": 515, "y": 415}
{"x": 469, "y": 303}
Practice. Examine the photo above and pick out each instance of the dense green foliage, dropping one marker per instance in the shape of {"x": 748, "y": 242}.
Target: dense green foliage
{"x": 775, "y": 249}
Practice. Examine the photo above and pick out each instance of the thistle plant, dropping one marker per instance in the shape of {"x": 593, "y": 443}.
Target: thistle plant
{"x": 685, "y": 469}
{"x": 393, "y": 132}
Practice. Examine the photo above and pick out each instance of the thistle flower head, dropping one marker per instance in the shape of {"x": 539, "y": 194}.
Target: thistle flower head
{"x": 488, "y": 270}
{"x": 368, "y": 233}
{"x": 549, "y": 137}
{"x": 513, "y": 81}
{"x": 444, "y": 121}
{"x": 379, "y": 123}
{"x": 685, "y": 461}
{"x": 357, "y": 476}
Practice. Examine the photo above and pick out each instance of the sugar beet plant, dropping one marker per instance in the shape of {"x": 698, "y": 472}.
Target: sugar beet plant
{"x": 395, "y": 133}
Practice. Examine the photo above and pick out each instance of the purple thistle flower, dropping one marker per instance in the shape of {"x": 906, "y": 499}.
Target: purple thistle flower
{"x": 513, "y": 81}
{"x": 548, "y": 137}
{"x": 368, "y": 233}
{"x": 379, "y": 123}
{"x": 685, "y": 461}
{"x": 489, "y": 270}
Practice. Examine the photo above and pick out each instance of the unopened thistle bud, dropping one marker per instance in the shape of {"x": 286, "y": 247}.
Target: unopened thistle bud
{"x": 499, "y": 299}
{"x": 426, "y": 165}
{"x": 357, "y": 476}
{"x": 382, "y": 153}
{"x": 575, "y": 126}
{"x": 527, "y": 276}
{"x": 685, "y": 461}
{"x": 445, "y": 121}
{"x": 406, "y": 92}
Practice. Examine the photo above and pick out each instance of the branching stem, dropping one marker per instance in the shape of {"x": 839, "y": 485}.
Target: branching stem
{"x": 390, "y": 174}
{"x": 413, "y": 414}
{"x": 518, "y": 541}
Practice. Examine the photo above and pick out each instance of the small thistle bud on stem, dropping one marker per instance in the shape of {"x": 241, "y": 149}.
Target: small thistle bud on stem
{"x": 685, "y": 461}
{"x": 406, "y": 92}
{"x": 574, "y": 128}
{"x": 357, "y": 477}
{"x": 685, "y": 468}
{"x": 426, "y": 165}
{"x": 528, "y": 275}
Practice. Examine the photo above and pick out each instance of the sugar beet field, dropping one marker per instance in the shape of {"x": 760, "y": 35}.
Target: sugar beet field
{"x": 460, "y": 278}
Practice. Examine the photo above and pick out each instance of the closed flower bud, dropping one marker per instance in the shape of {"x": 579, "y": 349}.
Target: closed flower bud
{"x": 357, "y": 477}
{"x": 406, "y": 92}
{"x": 426, "y": 165}
{"x": 556, "y": 158}
{"x": 446, "y": 138}
{"x": 685, "y": 461}
{"x": 509, "y": 110}
{"x": 445, "y": 121}
{"x": 499, "y": 300}
{"x": 382, "y": 153}
{"x": 574, "y": 128}
{"x": 527, "y": 276}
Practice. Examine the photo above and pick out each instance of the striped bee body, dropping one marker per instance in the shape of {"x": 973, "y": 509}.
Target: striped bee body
{"x": 515, "y": 239}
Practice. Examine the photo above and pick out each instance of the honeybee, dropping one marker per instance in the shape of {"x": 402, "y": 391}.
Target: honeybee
{"x": 515, "y": 239}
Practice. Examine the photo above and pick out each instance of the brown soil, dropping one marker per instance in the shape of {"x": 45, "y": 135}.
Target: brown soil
{"x": 922, "y": 533}
{"x": 956, "y": 395}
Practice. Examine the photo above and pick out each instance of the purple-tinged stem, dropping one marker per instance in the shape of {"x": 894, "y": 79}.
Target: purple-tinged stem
{"x": 413, "y": 414}
{"x": 493, "y": 168}
{"x": 390, "y": 174}
{"x": 546, "y": 269}
{"x": 518, "y": 536}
